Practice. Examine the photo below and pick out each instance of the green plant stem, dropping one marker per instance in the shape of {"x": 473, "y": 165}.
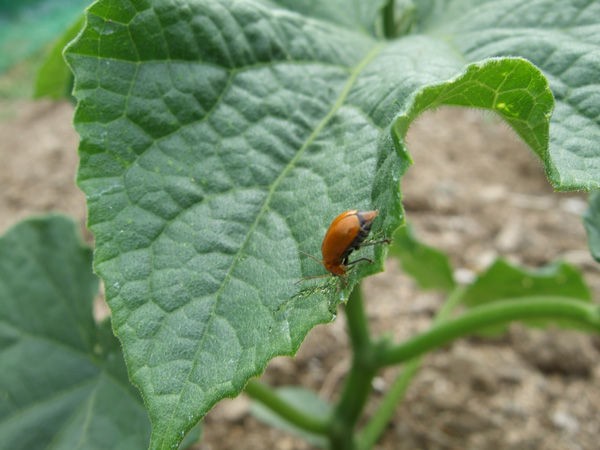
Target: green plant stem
{"x": 371, "y": 433}
{"x": 496, "y": 313}
{"x": 359, "y": 381}
{"x": 389, "y": 20}
{"x": 358, "y": 326}
{"x": 265, "y": 395}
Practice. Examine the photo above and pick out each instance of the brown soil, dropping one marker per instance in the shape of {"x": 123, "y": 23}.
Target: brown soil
{"x": 474, "y": 191}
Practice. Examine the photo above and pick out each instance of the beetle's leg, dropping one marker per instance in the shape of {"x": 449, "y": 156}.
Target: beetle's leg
{"x": 358, "y": 260}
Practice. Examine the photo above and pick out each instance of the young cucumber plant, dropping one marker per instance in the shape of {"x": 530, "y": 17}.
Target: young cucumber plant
{"x": 219, "y": 138}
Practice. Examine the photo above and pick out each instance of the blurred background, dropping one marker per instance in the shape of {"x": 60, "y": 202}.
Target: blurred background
{"x": 38, "y": 157}
{"x": 475, "y": 191}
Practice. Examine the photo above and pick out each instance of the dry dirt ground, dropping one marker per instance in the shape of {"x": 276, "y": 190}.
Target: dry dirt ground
{"x": 474, "y": 191}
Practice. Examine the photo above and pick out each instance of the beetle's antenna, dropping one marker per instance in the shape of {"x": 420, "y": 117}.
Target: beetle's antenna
{"x": 312, "y": 277}
{"x": 311, "y": 256}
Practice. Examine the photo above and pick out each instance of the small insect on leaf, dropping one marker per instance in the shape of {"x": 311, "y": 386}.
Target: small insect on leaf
{"x": 347, "y": 233}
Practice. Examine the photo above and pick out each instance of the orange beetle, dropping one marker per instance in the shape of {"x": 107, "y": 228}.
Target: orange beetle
{"x": 345, "y": 234}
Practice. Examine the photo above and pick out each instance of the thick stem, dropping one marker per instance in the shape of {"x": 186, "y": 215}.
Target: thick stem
{"x": 357, "y": 387}
{"x": 533, "y": 308}
{"x": 358, "y": 327}
{"x": 497, "y": 313}
{"x": 371, "y": 433}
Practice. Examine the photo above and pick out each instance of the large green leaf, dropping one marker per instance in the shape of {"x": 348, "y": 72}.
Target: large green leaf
{"x": 219, "y": 139}
{"x": 63, "y": 382}
{"x": 358, "y": 16}
{"x": 562, "y": 38}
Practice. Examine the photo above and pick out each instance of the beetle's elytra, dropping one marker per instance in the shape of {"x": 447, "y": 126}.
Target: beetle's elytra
{"x": 345, "y": 234}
